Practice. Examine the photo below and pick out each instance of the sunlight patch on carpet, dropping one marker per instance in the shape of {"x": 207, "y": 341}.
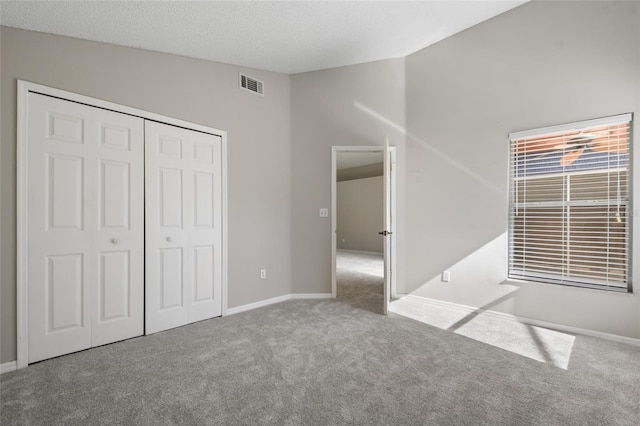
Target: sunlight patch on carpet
{"x": 541, "y": 344}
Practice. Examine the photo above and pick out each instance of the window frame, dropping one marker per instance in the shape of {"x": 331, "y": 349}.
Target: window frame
{"x": 513, "y": 179}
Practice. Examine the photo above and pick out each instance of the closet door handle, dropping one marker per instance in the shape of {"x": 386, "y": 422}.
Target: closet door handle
{"x": 114, "y": 241}
{"x": 169, "y": 239}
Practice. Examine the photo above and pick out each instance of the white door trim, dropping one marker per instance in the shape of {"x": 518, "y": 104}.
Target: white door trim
{"x": 334, "y": 211}
{"x": 24, "y": 87}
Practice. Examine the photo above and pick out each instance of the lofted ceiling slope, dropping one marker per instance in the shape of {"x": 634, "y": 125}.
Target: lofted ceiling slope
{"x": 283, "y": 36}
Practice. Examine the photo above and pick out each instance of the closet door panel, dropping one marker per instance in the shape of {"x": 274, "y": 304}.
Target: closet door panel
{"x": 206, "y": 227}
{"x": 166, "y": 239}
{"x": 59, "y": 242}
{"x": 183, "y": 269}
{"x": 85, "y": 227}
{"x": 118, "y": 237}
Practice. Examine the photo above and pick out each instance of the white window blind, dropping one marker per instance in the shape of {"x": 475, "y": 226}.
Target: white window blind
{"x": 569, "y": 204}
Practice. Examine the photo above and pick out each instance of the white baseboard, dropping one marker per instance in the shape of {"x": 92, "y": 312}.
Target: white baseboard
{"x": 278, "y": 299}
{"x": 311, "y": 296}
{"x": 257, "y": 305}
{"x": 361, "y": 252}
{"x": 524, "y": 320}
{"x": 8, "y": 366}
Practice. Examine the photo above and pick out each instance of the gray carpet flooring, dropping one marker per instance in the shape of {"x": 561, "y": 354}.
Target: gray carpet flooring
{"x": 322, "y": 362}
{"x": 360, "y": 280}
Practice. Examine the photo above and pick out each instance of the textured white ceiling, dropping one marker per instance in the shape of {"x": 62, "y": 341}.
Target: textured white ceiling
{"x": 283, "y": 36}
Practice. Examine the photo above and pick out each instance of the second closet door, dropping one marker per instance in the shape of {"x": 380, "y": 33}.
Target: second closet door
{"x": 183, "y": 219}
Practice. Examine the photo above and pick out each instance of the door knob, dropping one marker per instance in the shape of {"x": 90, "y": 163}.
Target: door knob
{"x": 114, "y": 241}
{"x": 169, "y": 239}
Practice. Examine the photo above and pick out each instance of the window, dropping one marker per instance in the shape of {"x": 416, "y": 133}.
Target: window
{"x": 569, "y": 204}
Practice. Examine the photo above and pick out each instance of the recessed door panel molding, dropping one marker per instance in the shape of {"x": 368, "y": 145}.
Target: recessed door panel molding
{"x": 81, "y": 194}
{"x": 64, "y": 290}
{"x": 115, "y": 137}
{"x": 170, "y": 192}
{"x": 65, "y": 128}
{"x": 171, "y": 279}
{"x": 115, "y": 187}
{"x": 115, "y": 286}
{"x": 203, "y": 152}
{"x": 183, "y": 211}
{"x": 203, "y": 186}
{"x": 64, "y": 189}
{"x": 203, "y": 274}
{"x": 170, "y": 147}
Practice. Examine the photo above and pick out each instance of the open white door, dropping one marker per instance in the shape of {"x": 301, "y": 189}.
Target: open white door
{"x": 389, "y": 222}
{"x": 387, "y": 234}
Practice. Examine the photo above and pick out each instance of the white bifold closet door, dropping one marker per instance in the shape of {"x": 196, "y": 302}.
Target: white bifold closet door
{"x": 183, "y": 222}
{"x": 85, "y": 227}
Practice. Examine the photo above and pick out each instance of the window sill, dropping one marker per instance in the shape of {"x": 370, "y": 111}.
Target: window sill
{"x": 608, "y": 290}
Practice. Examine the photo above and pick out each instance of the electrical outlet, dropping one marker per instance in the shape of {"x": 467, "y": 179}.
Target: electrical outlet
{"x": 324, "y": 212}
{"x": 263, "y": 274}
{"x": 446, "y": 276}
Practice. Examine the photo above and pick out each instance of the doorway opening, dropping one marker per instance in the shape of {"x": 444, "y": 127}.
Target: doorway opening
{"x": 363, "y": 207}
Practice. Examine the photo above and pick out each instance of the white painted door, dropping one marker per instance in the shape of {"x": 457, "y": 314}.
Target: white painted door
{"x": 118, "y": 232}
{"x": 387, "y": 233}
{"x": 183, "y": 225}
{"x": 85, "y": 240}
{"x": 59, "y": 228}
{"x": 390, "y": 208}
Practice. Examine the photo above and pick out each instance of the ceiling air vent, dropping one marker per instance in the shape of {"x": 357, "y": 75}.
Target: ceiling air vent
{"x": 251, "y": 84}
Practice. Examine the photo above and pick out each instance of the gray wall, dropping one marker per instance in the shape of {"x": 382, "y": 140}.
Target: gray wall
{"x": 540, "y": 64}
{"x": 359, "y": 205}
{"x": 259, "y": 154}
{"x": 355, "y": 105}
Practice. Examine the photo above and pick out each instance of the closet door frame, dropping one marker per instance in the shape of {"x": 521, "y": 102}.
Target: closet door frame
{"x": 22, "y": 165}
